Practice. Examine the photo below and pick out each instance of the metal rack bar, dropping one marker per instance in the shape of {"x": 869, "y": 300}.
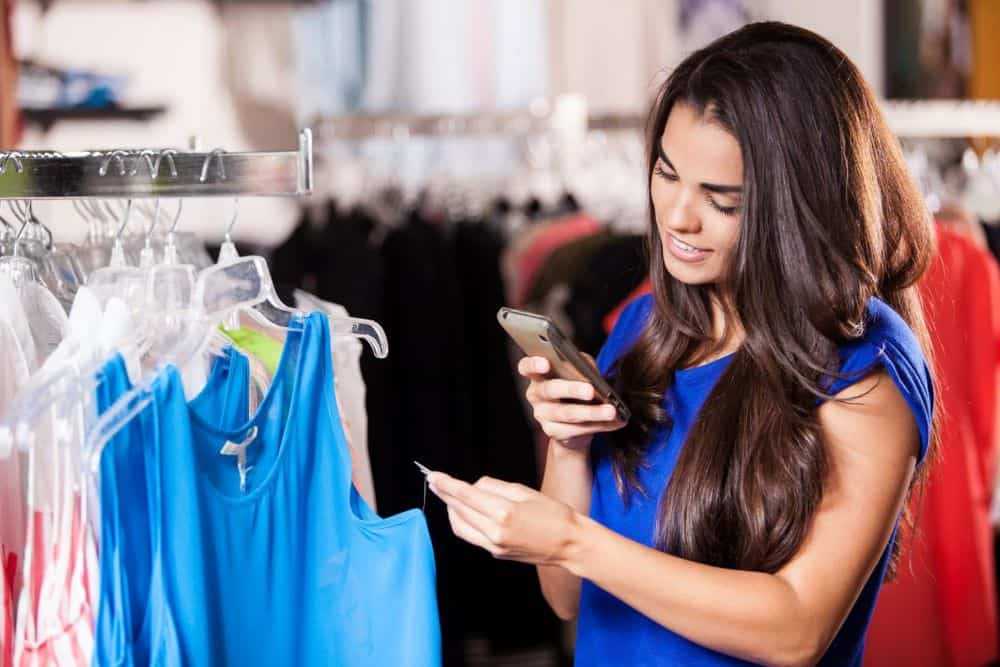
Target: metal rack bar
{"x": 401, "y": 126}
{"x": 157, "y": 173}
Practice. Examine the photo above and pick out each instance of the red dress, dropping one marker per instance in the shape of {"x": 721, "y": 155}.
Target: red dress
{"x": 941, "y": 610}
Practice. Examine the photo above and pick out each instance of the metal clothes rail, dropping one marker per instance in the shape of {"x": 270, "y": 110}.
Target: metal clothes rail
{"x": 132, "y": 174}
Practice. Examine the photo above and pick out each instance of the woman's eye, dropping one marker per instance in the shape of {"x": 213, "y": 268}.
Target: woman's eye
{"x": 659, "y": 171}
{"x": 725, "y": 210}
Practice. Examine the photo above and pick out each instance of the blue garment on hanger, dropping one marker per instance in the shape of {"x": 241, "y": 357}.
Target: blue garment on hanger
{"x": 611, "y": 632}
{"x": 283, "y": 564}
{"x": 126, "y": 562}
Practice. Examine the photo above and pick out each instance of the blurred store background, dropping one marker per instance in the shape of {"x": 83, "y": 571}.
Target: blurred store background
{"x": 476, "y": 153}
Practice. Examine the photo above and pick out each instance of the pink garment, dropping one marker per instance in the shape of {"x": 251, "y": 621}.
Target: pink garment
{"x": 541, "y": 246}
{"x": 55, "y": 625}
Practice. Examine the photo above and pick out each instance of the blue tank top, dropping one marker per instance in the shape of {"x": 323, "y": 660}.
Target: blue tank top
{"x": 125, "y": 563}
{"x": 286, "y": 564}
{"x": 609, "y": 632}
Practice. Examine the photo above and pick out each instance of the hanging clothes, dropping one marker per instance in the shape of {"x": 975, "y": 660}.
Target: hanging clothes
{"x": 942, "y": 610}
{"x": 517, "y": 616}
{"x": 531, "y": 251}
{"x": 350, "y": 391}
{"x": 614, "y": 271}
{"x": 253, "y": 342}
{"x": 333, "y": 257}
{"x": 645, "y": 287}
{"x": 297, "y": 536}
{"x": 123, "y": 632}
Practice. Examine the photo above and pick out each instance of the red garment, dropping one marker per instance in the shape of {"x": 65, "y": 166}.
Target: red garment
{"x": 541, "y": 246}
{"x": 611, "y": 319}
{"x": 8, "y": 576}
{"x": 941, "y": 610}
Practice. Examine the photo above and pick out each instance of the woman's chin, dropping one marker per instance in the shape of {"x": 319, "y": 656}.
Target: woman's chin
{"x": 690, "y": 274}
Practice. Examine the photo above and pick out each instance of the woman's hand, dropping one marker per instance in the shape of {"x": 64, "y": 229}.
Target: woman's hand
{"x": 563, "y": 408}
{"x": 511, "y": 521}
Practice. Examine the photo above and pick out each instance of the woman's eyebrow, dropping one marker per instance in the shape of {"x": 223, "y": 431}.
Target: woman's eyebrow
{"x": 710, "y": 187}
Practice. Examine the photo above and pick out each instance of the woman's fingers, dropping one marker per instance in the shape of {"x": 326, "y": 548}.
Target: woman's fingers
{"x": 574, "y": 413}
{"x": 464, "y": 530}
{"x": 564, "y": 432}
{"x": 559, "y": 390}
{"x": 488, "y": 504}
{"x": 534, "y": 367}
{"x": 513, "y": 492}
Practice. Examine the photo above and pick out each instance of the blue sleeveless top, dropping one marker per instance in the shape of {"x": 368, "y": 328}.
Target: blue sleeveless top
{"x": 125, "y": 563}
{"x": 284, "y": 565}
{"x": 609, "y": 632}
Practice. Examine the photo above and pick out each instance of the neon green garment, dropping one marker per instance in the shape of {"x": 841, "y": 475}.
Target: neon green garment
{"x": 260, "y": 347}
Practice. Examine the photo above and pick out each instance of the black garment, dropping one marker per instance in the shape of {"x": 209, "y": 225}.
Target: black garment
{"x": 612, "y": 273}
{"x": 423, "y": 321}
{"x": 294, "y": 262}
{"x": 498, "y": 442}
{"x": 993, "y": 237}
{"x": 335, "y": 260}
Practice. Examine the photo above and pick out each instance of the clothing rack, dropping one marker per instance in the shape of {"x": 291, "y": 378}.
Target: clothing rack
{"x": 566, "y": 113}
{"x": 402, "y": 126}
{"x": 131, "y": 174}
{"x": 907, "y": 118}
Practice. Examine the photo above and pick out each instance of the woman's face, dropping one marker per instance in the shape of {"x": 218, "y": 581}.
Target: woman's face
{"x": 696, "y": 189}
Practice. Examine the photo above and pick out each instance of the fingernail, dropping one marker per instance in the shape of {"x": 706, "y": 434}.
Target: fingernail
{"x": 610, "y": 412}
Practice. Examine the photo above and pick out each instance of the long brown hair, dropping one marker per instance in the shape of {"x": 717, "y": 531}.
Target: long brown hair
{"x": 830, "y": 217}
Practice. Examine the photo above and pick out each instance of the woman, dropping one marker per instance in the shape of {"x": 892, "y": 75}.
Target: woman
{"x": 776, "y": 379}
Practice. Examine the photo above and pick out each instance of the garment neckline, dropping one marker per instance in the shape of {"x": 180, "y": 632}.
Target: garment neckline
{"x": 297, "y": 330}
{"x": 692, "y": 373}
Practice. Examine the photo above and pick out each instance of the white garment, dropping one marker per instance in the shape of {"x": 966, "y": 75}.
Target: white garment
{"x": 13, "y": 511}
{"x": 349, "y": 387}
{"x": 32, "y": 325}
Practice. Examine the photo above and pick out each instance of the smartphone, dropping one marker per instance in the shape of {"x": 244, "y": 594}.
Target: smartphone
{"x": 538, "y": 336}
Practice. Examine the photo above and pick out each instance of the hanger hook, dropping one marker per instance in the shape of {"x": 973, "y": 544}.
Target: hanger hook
{"x": 217, "y": 153}
{"x": 121, "y": 230}
{"x": 148, "y": 155}
{"x": 15, "y": 207}
{"x": 12, "y": 155}
{"x": 155, "y": 221}
{"x": 34, "y": 220}
{"x": 232, "y": 222}
{"x": 177, "y": 216}
{"x": 169, "y": 154}
{"x": 115, "y": 155}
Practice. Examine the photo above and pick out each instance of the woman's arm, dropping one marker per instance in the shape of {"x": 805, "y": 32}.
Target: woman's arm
{"x": 562, "y": 411}
{"x": 788, "y": 618}
{"x": 567, "y": 479}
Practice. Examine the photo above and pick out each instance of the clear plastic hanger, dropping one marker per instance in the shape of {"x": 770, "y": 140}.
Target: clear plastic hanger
{"x": 227, "y": 255}
{"x": 247, "y": 281}
{"x": 245, "y": 284}
{"x": 165, "y": 291}
{"x": 219, "y": 290}
{"x": 118, "y": 279}
{"x": 7, "y": 233}
{"x": 19, "y": 269}
{"x": 57, "y": 269}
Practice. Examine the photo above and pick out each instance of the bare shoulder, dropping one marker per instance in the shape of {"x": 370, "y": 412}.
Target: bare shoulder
{"x": 873, "y": 422}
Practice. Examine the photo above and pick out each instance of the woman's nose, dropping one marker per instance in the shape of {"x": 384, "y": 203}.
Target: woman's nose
{"x": 681, "y": 216}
